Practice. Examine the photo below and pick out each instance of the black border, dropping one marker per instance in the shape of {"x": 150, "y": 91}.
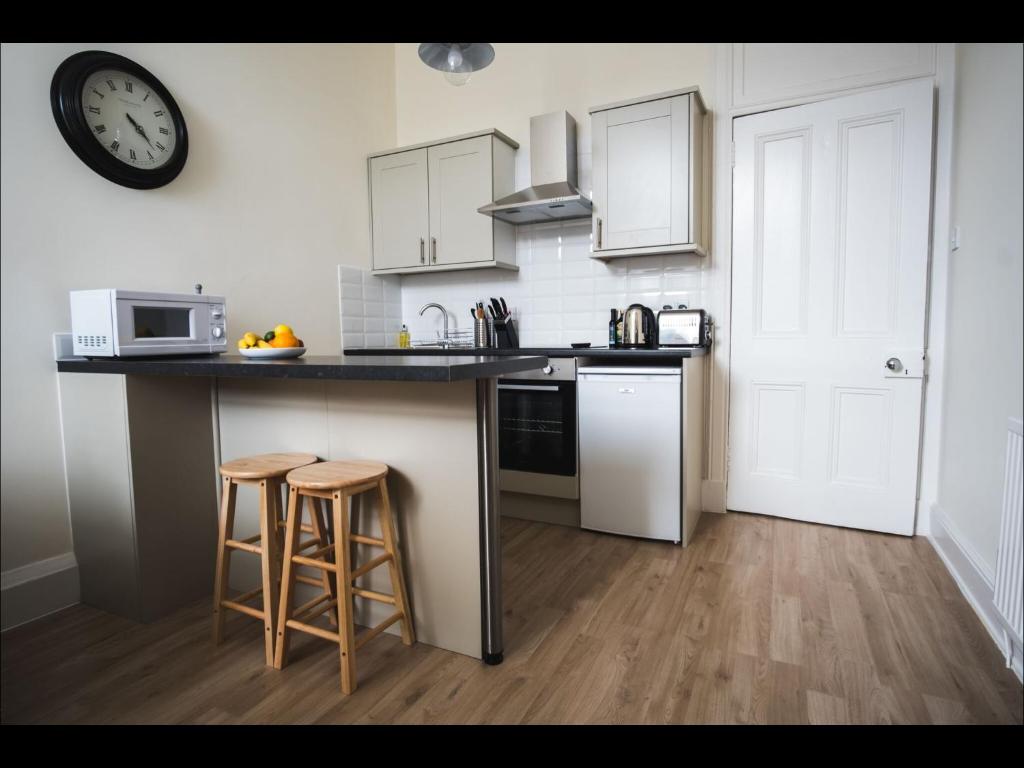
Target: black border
{"x": 66, "y": 103}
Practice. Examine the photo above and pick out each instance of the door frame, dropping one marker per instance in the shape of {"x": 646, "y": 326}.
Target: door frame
{"x": 718, "y": 292}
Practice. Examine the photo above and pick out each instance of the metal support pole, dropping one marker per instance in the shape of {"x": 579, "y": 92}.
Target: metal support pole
{"x": 492, "y": 643}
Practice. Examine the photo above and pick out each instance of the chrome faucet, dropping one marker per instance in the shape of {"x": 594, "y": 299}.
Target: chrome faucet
{"x": 444, "y": 316}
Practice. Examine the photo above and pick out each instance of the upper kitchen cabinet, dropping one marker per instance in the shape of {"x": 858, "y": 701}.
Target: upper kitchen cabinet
{"x": 648, "y": 179}
{"x": 424, "y": 201}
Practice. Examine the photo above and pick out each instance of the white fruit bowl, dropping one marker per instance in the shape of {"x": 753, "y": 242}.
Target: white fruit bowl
{"x": 278, "y": 353}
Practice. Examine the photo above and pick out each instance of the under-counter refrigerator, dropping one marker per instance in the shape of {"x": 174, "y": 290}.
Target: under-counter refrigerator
{"x": 640, "y": 457}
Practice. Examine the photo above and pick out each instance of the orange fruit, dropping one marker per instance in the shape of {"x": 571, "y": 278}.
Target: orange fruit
{"x": 284, "y": 340}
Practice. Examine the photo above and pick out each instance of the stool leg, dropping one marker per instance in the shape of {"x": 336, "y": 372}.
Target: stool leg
{"x": 316, "y": 517}
{"x": 269, "y": 563}
{"x": 280, "y": 518}
{"x": 287, "y": 578}
{"x": 387, "y": 527}
{"x": 343, "y": 566}
{"x": 225, "y": 531}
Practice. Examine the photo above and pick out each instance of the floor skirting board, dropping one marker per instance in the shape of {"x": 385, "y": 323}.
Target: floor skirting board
{"x": 37, "y": 589}
{"x": 973, "y": 578}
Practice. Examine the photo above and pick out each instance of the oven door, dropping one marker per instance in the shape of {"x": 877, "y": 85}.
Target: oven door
{"x": 152, "y": 327}
{"x": 537, "y": 443}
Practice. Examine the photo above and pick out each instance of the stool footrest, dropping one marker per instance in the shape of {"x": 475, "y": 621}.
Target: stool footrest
{"x": 245, "y": 545}
{"x": 366, "y": 540}
{"x": 372, "y": 633}
{"x": 367, "y": 567}
{"x": 313, "y": 582}
{"x": 257, "y": 614}
{"x": 324, "y": 566}
{"x": 308, "y": 544}
{"x": 314, "y": 612}
{"x": 300, "y": 610}
{"x": 304, "y": 528}
{"x": 309, "y": 629}
{"x": 247, "y": 596}
{"x": 380, "y": 597}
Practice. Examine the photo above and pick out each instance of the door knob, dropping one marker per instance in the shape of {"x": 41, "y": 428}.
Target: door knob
{"x": 894, "y": 364}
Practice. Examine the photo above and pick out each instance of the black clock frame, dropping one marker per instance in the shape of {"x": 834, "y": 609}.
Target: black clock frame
{"x": 66, "y": 102}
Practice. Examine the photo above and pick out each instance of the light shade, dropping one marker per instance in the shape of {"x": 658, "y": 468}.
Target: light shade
{"x": 456, "y": 60}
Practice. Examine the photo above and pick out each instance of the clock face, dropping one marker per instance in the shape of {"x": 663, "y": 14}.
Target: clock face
{"x": 119, "y": 119}
{"x": 128, "y": 118}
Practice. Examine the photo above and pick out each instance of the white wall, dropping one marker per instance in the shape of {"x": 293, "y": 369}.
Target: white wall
{"x": 984, "y": 370}
{"x": 272, "y": 199}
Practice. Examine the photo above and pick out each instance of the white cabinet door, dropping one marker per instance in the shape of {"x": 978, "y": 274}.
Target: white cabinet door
{"x": 460, "y": 182}
{"x": 641, "y": 171}
{"x": 830, "y": 258}
{"x": 398, "y": 200}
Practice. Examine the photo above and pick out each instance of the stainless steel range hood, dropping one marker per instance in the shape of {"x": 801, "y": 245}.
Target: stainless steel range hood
{"x": 553, "y": 195}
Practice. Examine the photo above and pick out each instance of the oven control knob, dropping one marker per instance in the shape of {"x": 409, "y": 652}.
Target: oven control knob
{"x": 218, "y": 332}
{"x": 546, "y": 370}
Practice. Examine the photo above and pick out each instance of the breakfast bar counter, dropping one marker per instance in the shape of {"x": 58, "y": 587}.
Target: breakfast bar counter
{"x": 143, "y": 443}
{"x": 444, "y": 368}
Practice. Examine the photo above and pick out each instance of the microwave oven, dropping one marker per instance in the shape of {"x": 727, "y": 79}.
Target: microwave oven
{"x": 118, "y": 323}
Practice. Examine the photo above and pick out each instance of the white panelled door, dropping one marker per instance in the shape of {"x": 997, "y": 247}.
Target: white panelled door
{"x": 831, "y": 206}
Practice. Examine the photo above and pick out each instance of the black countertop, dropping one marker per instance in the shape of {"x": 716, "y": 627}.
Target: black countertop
{"x": 600, "y": 353}
{"x": 443, "y": 368}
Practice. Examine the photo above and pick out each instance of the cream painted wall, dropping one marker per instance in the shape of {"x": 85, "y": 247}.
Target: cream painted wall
{"x": 529, "y": 79}
{"x": 272, "y": 199}
{"x": 984, "y": 383}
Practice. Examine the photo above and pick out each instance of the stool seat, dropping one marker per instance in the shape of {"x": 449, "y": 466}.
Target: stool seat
{"x": 265, "y": 465}
{"x": 336, "y": 475}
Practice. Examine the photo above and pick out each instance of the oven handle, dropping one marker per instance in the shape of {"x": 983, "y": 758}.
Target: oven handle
{"x": 530, "y": 387}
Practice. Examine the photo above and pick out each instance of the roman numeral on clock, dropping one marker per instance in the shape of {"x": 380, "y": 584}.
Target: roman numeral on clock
{"x": 94, "y": 110}
{"x": 145, "y": 97}
{"x": 150, "y": 155}
{"x": 98, "y": 93}
{"x": 128, "y": 85}
{"x": 132, "y": 153}
{"x": 100, "y": 128}
{"x": 158, "y": 113}
{"x": 161, "y": 147}
{"x": 111, "y": 84}
{"x": 115, "y": 145}
{"x": 164, "y": 131}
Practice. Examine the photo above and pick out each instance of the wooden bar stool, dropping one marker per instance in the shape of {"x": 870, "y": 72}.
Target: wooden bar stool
{"x": 267, "y": 471}
{"x": 339, "y": 481}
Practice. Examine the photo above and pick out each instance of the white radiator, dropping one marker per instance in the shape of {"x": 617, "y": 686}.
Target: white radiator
{"x": 1009, "y": 587}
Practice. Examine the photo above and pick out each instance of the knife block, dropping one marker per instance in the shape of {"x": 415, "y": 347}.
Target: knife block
{"x": 505, "y": 334}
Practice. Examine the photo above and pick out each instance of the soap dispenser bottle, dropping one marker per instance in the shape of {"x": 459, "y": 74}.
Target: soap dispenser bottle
{"x": 613, "y": 325}
{"x": 403, "y": 338}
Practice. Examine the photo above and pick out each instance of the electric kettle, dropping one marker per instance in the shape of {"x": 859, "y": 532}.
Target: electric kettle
{"x": 639, "y": 328}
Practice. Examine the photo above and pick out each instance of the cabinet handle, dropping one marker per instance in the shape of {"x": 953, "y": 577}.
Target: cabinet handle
{"x": 423, "y": 258}
{"x": 433, "y": 250}
{"x": 599, "y": 233}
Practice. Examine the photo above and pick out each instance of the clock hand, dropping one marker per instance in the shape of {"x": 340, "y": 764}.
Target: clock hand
{"x": 138, "y": 129}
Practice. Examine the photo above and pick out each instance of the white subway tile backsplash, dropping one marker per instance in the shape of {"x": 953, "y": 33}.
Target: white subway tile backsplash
{"x": 352, "y": 290}
{"x": 559, "y": 295}
{"x": 351, "y": 275}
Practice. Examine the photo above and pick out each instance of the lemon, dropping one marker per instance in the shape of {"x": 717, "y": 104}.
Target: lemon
{"x": 283, "y": 330}
{"x": 251, "y": 338}
{"x": 243, "y": 344}
{"x": 263, "y": 345}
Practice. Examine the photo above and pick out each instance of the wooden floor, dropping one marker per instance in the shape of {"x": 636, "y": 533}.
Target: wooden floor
{"x": 759, "y": 621}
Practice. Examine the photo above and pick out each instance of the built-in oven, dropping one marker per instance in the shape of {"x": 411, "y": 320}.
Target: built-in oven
{"x": 537, "y": 436}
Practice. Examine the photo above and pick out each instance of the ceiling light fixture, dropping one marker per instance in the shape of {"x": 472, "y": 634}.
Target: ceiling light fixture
{"x": 458, "y": 61}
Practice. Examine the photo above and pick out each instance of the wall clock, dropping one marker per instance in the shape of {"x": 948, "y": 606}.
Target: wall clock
{"x": 119, "y": 119}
